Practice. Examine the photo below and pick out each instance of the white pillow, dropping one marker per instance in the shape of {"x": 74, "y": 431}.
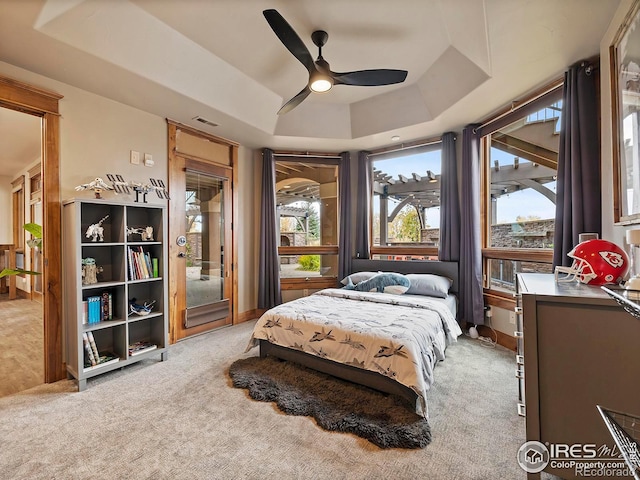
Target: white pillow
{"x": 429, "y": 284}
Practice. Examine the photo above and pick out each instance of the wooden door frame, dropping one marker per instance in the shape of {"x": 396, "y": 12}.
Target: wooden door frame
{"x": 177, "y": 164}
{"x": 36, "y": 101}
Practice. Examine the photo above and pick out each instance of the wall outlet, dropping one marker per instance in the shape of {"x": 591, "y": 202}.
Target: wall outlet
{"x": 512, "y": 318}
{"x": 134, "y": 158}
{"x": 148, "y": 160}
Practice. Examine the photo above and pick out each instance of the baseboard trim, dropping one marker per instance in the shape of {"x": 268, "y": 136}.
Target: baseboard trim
{"x": 249, "y": 315}
{"x": 503, "y": 339}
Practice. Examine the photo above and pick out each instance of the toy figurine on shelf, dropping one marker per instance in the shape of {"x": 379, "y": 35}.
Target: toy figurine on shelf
{"x": 138, "y": 309}
{"x": 120, "y": 185}
{"x": 97, "y": 185}
{"x": 95, "y": 231}
{"x": 146, "y": 233}
{"x": 90, "y": 271}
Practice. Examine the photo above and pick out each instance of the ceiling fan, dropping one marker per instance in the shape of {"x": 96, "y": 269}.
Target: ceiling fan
{"x": 321, "y": 78}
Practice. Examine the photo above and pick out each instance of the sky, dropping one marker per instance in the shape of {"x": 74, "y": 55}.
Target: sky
{"x": 523, "y": 203}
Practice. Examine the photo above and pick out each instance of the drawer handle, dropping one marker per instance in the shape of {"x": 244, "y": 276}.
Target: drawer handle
{"x": 521, "y": 410}
{"x": 518, "y": 334}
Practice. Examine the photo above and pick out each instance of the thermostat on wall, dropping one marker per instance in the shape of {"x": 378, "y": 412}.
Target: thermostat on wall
{"x": 148, "y": 160}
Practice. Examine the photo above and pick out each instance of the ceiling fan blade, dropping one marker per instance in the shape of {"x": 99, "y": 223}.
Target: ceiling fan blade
{"x": 369, "y": 78}
{"x": 289, "y": 38}
{"x": 295, "y": 101}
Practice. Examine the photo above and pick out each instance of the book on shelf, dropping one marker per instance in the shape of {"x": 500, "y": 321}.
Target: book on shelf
{"x": 106, "y": 358}
{"x": 130, "y": 263}
{"x": 94, "y": 310}
{"x": 104, "y": 306}
{"x": 148, "y": 266}
{"x": 141, "y": 347}
{"x": 99, "y": 307}
{"x": 154, "y": 263}
{"x": 89, "y": 356}
{"x": 140, "y": 265}
{"x": 94, "y": 347}
{"x": 85, "y": 312}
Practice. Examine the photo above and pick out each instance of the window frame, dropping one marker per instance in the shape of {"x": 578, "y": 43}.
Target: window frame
{"x": 312, "y": 282}
{"x": 514, "y": 112}
{"x": 391, "y": 252}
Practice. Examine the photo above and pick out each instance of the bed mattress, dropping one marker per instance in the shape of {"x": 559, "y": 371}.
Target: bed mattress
{"x": 399, "y": 336}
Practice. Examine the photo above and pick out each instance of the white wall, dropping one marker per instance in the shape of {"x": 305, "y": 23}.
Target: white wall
{"x": 96, "y": 135}
{"x": 247, "y": 231}
{"x": 6, "y": 234}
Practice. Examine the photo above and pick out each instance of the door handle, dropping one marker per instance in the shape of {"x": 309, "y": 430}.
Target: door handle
{"x": 181, "y": 254}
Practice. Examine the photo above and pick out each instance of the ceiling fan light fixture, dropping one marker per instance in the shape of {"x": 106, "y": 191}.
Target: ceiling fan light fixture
{"x": 321, "y": 77}
{"x": 320, "y": 83}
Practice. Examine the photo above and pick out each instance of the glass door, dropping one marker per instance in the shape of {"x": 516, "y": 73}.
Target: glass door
{"x": 201, "y": 286}
{"x": 204, "y": 225}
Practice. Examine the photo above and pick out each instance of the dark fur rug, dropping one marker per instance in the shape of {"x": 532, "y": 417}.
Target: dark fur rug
{"x": 337, "y": 405}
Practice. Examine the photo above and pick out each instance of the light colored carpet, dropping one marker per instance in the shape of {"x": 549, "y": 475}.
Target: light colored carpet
{"x": 182, "y": 419}
{"x": 21, "y": 345}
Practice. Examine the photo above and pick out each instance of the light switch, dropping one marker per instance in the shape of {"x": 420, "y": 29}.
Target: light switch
{"x": 135, "y": 157}
{"x": 148, "y": 160}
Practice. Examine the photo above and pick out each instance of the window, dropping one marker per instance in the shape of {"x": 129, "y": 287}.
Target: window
{"x": 406, "y": 202}
{"x": 520, "y": 160}
{"x": 307, "y": 209}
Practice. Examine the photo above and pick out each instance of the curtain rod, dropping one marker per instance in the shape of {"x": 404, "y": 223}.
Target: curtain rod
{"x": 305, "y": 154}
{"x": 402, "y": 146}
{"x": 515, "y": 104}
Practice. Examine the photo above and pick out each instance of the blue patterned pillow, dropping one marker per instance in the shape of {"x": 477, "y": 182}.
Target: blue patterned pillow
{"x": 395, "y": 283}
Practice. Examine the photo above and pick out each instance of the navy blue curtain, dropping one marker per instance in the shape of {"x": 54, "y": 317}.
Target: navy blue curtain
{"x": 269, "y": 294}
{"x": 344, "y": 194}
{"x": 365, "y": 186}
{"x": 578, "y": 193}
{"x": 449, "y": 201}
{"x": 471, "y": 300}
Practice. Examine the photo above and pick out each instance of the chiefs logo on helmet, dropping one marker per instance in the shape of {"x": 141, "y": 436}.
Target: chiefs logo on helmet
{"x": 613, "y": 259}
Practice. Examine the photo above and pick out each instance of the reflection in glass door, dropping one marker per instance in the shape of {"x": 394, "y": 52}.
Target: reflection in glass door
{"x": 206, "y": 298}
{"x": 204, "y": 224}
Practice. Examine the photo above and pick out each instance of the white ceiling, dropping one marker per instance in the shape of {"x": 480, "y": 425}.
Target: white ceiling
{"x": 219, "y": 59}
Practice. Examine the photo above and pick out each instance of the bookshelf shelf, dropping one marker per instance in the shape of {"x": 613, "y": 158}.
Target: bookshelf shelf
{"x": 137, "y": 318}
{"x": 90, "y": 327}
{"x": 128, "y": 269}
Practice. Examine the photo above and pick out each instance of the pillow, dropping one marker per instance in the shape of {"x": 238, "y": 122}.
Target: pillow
{"x": 358, "y": 277}
{"x": 429, "y": 284}
{"x": 383, "y": 283}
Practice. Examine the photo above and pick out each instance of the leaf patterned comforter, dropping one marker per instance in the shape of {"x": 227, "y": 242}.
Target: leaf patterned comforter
{"x": 399, "y": 336}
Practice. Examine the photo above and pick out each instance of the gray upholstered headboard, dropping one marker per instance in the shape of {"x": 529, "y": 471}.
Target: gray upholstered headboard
{"x": 445, "y": 269}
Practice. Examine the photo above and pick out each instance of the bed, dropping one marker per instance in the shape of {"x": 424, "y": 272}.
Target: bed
{"x": 389, "y": 342}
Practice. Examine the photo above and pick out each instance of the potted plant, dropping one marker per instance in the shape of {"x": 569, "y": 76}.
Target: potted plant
{"x": 35, "y": 242}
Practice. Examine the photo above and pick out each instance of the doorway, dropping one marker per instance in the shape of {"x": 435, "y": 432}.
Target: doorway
{"x": 42, "y": 104}
{"x": 22, "y": 340}
{"x": 201, "y": 252}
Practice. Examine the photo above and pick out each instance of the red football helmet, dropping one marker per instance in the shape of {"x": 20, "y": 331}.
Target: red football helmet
{"x": 595, "y": 262}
